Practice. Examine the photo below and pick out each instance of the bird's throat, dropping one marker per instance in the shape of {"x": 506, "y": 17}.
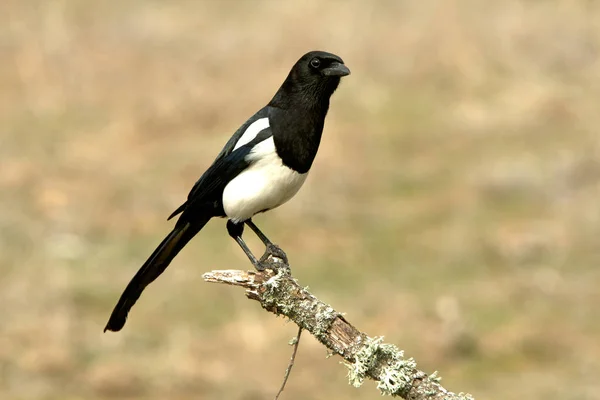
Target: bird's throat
{"x": 297, "y": 135}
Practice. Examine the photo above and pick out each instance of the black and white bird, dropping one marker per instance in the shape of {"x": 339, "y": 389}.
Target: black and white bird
{"x": 262, "y": 166}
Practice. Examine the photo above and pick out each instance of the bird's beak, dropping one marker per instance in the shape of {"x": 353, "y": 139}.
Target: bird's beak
{"x": 336, "y": 69}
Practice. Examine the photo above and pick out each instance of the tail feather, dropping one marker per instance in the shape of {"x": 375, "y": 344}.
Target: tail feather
{"x": 179, "y": 210}
{"x": 152, "y": 268}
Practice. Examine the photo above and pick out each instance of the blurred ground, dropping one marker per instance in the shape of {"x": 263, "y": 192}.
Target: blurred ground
{"x": 453, "y": 206}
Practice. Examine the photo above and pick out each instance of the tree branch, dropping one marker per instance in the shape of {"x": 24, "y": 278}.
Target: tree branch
{"x": 366, "y": 357}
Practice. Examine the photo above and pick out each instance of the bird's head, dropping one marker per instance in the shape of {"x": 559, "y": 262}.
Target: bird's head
{"x": 314, "y": 78}
{"x": 319, "y": 65}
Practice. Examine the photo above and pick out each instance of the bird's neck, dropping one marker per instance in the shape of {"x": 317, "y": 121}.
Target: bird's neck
{"x": 297, "y": 134}
{"x": 297, "y": 115}
{"x": 309, "y": 95}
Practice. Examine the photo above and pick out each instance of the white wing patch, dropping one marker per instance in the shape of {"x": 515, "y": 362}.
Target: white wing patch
{"x": 251, "y": 132}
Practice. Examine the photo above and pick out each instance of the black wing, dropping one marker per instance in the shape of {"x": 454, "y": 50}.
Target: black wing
{"x": 230, "y": 145}
{"x": 209, "y": 188}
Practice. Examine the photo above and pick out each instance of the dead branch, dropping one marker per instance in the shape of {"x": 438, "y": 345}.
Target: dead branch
{"x": 365, "y": 357}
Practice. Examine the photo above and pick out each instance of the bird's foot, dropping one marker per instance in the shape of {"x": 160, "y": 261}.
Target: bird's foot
{"x": 273, "y": 258}
{"x": 274, "y": 251}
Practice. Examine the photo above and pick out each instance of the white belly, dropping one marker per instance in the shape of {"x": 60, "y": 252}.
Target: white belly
{"x": 266, "y": 184}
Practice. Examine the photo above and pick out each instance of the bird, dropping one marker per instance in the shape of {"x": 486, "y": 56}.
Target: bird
{"x": 262, "y": 166}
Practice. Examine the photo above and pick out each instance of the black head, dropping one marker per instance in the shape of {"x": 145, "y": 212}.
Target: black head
{"x": 312, "y": 80}
{"x": 320, "y": 65}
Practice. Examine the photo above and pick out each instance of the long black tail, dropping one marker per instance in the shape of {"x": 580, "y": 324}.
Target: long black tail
{"x": 152, "y": 268}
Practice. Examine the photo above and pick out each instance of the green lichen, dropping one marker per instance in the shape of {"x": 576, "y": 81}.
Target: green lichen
{"x": 374, "y": 359}
{"x": 435, "y": 377}
{"x": 396, "y": 375}
{"x": 394, "y": 378}
{"x": 310, "y": 314}
{"x": 274, "y": 282}
{"x": 324, "y": 319}
{"x": 272, "y": 295}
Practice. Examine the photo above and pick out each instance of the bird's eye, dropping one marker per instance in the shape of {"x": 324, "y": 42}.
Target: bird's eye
{"x": 315, "y": 63}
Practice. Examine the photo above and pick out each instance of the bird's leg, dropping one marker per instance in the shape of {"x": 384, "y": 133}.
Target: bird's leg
{"x": 235, "y": 231}
{"x": 271, "y": 249}
{"x": 259, "y": 233}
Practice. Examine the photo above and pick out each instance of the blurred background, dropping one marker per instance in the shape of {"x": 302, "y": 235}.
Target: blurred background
{"x": 453, "y": 207}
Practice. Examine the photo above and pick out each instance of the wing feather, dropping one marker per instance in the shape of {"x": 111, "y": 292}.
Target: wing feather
{"x": 209, "y": 188}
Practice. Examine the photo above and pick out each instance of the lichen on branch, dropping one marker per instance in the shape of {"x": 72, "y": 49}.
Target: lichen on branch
{"x": 364, "y": 356}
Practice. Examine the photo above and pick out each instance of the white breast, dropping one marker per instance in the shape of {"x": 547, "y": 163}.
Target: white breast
{"x": 266, "y": 184}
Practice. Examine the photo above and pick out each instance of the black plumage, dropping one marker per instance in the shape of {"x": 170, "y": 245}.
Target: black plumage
{"x": 262, "y": 166}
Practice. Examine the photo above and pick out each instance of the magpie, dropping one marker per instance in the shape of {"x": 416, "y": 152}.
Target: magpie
{"x": 262, "y": 166}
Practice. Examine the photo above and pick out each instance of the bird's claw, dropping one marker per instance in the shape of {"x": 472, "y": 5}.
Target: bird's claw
{"x": 274, "y": 251}
{"x": 273, "y": 258}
